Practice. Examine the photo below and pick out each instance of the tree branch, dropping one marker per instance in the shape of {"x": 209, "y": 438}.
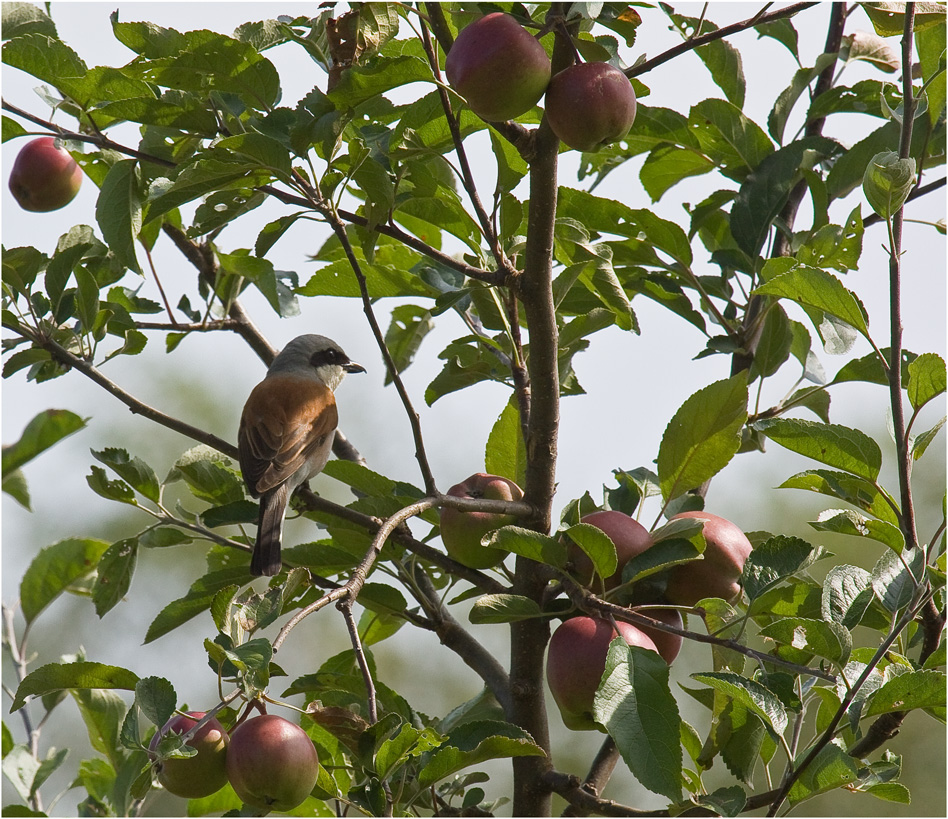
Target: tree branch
{"x": 717, "y": 34}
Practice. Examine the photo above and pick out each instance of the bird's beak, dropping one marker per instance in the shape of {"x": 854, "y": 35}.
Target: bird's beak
{"x": 352, "y": 367}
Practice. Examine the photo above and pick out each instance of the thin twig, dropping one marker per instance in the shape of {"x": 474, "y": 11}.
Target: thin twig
{"x": 345, "y": 606}
{"x": 717, "y": 34}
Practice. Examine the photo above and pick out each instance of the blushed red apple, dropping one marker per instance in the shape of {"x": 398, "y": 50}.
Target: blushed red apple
{"x": 461, "y": 532}
{"x": 629, "y": 536}
{"x": 45, "y": 177}
{"x": 271, "y": 763}
{"x": 589, "y": 105}
{"x": 576, "y": 660}
{"x": 498, "y": 67}
{"x": 195, "y": 776}
{"x": 719, "y": 573}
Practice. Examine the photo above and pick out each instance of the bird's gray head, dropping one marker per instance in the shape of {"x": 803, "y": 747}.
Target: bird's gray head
{"x": 315, "y": 355}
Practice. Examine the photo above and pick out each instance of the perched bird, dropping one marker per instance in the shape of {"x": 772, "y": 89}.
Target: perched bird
{"x": 286, "y": 433}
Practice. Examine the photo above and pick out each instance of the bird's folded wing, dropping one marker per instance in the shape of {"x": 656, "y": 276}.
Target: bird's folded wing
{"x": 285, "y": 422}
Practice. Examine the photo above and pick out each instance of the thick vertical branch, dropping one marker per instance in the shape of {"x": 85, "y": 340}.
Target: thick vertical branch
{"x": 528, "y": 639}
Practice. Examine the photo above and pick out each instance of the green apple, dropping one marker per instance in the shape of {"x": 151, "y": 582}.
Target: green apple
{"x": 461, "y": 532}
{"x": 498, "y": 67}
{"x": 45, "y": 177}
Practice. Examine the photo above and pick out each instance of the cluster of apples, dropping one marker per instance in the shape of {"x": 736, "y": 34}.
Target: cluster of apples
{"x": 502, "y": 71}
{"x": 270, "y": 762}
{"x": 576, "y": 657}
{"x": 45, "y": 177}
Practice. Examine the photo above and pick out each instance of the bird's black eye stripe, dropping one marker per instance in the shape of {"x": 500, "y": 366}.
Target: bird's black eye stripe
{"x": 327, "y": 356}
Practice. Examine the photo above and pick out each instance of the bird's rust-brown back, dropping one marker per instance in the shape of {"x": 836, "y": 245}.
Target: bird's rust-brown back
{"x": 285, "y": 421}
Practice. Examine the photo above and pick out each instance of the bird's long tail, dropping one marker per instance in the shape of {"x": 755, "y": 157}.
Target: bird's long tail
{"x": 266, "y": 551}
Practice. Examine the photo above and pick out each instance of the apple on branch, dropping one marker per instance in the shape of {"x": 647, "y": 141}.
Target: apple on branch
{"x": 576, "y": 660}
{"x": 589, "y": 105}
{"x": 196, "y": 776}
{"x": 718, "y": 574}
{"x": 498, "y": 67}
{"x": 272, "y": 763}
{"x": 45, "y": 177}
{"x": 461, "y": 532}
{"x": 629, "y": 537}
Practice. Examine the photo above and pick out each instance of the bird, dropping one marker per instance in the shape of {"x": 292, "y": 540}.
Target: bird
{"x": 286, "y": 433}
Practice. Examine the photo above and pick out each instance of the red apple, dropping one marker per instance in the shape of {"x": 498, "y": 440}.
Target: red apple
{"x": 575, "y": 662}
{"x": 589, "y": 105}
{"x": 45, "y": 177}
{"x": 271, "y": 763}
{"x": 195, "y": 776}
{"x": 461, "y": 532}
{"x": 630, "y": 537}
{"x": 498, "y": 67}
{"x": 719, "y": 573}
{"x": 668, "y": 644}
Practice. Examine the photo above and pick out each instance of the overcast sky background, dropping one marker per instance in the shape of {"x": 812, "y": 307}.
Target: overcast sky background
{"x": 634, "y": 383}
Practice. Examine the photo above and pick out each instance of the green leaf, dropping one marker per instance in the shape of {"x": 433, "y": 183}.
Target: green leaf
{"x": 887, "y": 182}
{"x": 638, "y": 710}
{"x": 895, "y": 577}
{"x": 506, "y": 453}
{"x": 888, "y": 18}
{"x": 723, "y": 61}
{"x": 110, "y": 490}
{"x": 138, "y": 474}
{"x": 43, "y": 431}
{"x": 157, "y": 699}
{"x": 833, "y": 768}
{"x": 913, "y": 689}
{"x": 847, "y": 593}
{"x": 754, "y": 696}
{"x": 703, "y": 436}
{"x": 834, "y": 245}
{"x": 54, "y": 570}
{"x": 597, "y": 545}
{"x": 774, "y": 560}
{"x": 503, "y": 608}
{"x": 728, "y": 137}
{"x": 118, "y": 212}
{"x": 834, "y": 445}
{"x": 767, "y": 188}
{"x": 409, "y": 326}
{"x": 889, "y": 792}
{"x": 850, "y": 522}
{"x": 667, "y": 165}
{"x": 197, "y": 600}
{"x": 114, "y": 576}
{"x": 46, "y": 58}
{"x": 850, "y": 488}
{"x": 473, "y": 743}
{"x": 773, "y": 348}
{"x": 921, "y": 442}
{"x": 777, "y": 120}
{"x": 25, "y": 18}
{"x": 527, "y": 543}
{"x": 926, "y": 379}
{"x": 364, "y": 82}
{"x": 829, "y": 640}
{"x": 64, "y": 676}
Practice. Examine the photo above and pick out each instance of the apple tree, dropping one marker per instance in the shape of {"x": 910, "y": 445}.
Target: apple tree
{"x": 444, "y": 188}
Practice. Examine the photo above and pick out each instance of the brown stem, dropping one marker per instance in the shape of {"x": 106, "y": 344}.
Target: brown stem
{"x": 528, "y": 638}
{"x": 717, "y": 34}
{"x": 598, "y": 777}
